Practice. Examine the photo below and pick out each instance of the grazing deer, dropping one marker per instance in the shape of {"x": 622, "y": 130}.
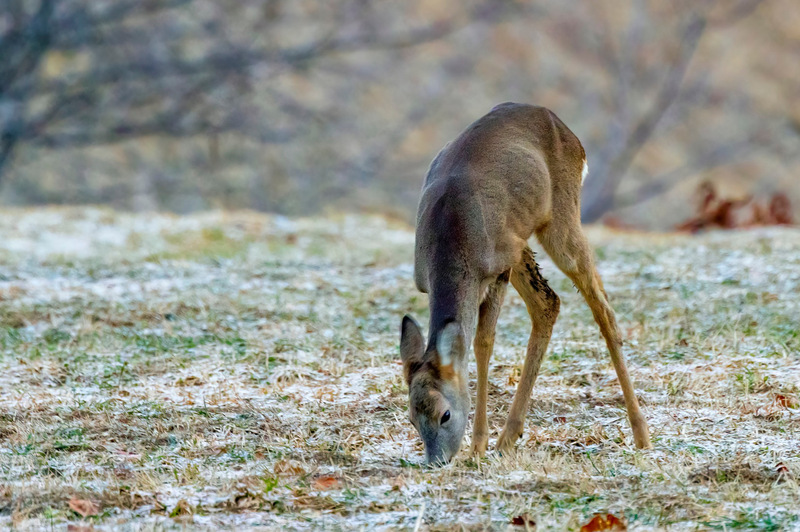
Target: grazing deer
{"x": 514, "y": 173}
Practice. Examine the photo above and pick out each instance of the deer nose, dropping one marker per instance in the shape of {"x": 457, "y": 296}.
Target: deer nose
{"x": 436, "y": 456}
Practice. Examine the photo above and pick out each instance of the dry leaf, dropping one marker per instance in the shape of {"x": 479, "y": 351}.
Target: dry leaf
{"x": 782, "y": 469}
{"x": 190, "y": 381}
{"x": 603, "y": 523}
{"x": 560, "y": 419}
{"x": 72, "y": 527}
{"x": 286, "y": 467}
{"x": 83, "y": 507}
{"x": 524, "y": 520}
{"x": 785, "y": 401}
{"x": 326, "y": 482}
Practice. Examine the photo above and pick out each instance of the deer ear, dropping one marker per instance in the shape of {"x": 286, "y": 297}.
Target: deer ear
{"x": 412, "y": 344}
{"x": 412, "y": 347}
{"x": 448, "y": 343}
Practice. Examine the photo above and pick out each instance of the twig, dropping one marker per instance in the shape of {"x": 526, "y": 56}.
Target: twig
{"x": 419, "y": 517}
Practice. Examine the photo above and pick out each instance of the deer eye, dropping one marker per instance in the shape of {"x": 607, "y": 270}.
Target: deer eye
{"x": 445, "y": 417}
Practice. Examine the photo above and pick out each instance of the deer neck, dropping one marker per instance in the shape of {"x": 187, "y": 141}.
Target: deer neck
{"x": 454, "y": 299}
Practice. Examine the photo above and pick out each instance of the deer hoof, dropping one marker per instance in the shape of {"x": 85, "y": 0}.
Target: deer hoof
{"x": 479, "y": 445}
{"x": 508, "y": 438}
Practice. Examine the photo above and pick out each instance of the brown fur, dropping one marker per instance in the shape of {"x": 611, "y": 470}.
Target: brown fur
{"x": 512, "y": 174}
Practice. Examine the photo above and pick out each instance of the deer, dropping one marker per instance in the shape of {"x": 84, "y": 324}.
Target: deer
{"x": 514, "y": 173}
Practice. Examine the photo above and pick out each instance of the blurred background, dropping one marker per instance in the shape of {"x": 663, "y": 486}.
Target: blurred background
{"x": 304, "y": 107}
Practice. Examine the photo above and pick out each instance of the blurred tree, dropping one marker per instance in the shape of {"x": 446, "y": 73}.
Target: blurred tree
{"x": 87, "y": 72}
{"x": 626, "y": 77}
{"x": 292, "y": 105}
{"x": 642, "y": 92}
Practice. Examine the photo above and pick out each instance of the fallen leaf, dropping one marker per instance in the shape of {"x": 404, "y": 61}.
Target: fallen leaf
{"x": 189, "y": 381}
{"x": 602, "y": 523}
{"x": 782, "y": 469}
{"x": 785, "y": 401}
{"x": 524, "y": 520}
{"x": 80, "y": 528}
{"x": 560, "y": 419}
{"x": 326, "y": 482}
{"x": 83, "y": 507}
{"x": 286, "y": 467}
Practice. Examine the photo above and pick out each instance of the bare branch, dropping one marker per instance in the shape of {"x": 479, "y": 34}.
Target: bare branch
{"x": 609, "y": 180}
{"x": 656, "y": 186}
{"x": 173, "y": 94}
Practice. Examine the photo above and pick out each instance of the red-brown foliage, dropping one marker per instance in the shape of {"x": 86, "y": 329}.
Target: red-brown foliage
{"x": 716, "y": 212}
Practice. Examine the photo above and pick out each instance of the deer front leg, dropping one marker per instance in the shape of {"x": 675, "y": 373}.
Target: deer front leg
{"x": 484, "y": 345}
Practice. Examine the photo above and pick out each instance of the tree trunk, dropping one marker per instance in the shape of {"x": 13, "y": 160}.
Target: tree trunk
{"x": 598, "y": 193}
{"x": 7, "y": 144}
{"x": 596, "y": 207}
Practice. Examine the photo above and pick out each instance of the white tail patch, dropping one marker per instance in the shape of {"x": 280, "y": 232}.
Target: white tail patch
{"x": 585, "y": 171}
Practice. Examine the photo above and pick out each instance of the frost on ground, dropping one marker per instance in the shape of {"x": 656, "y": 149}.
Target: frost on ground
{"x": 231, "y": 370}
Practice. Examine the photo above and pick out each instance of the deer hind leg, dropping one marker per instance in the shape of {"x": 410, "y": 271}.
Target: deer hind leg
{"x": 543, "y": 306}
{"x": 567, "y": 246}
{"x": 484, "y": 345}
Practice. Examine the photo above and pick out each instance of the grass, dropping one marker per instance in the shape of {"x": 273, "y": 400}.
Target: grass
{"x": 227, "y": 371}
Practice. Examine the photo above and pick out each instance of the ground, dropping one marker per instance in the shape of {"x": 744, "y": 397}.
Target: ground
{"x": 230, "y": 371}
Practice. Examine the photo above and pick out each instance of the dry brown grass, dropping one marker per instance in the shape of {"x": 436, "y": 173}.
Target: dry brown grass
{"x": 227, "y": 371}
